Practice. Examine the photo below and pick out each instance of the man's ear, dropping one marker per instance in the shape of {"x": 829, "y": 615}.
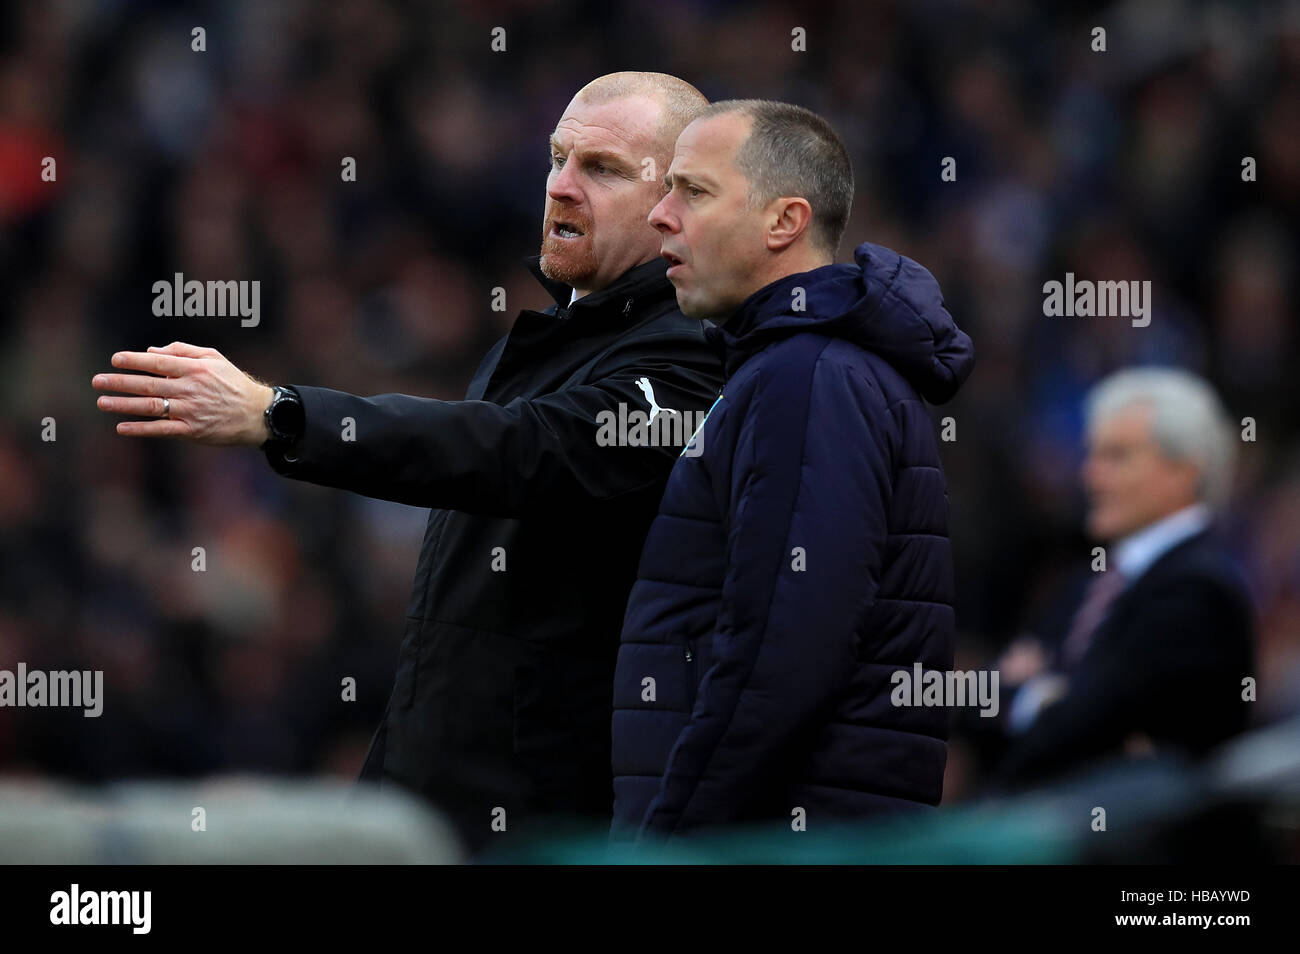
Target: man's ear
{"x": 788, "y": 218}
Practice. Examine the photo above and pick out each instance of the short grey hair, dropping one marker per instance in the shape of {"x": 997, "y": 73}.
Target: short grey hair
{"x": 791, "y": 151}
{"x": 1188, "y": 421}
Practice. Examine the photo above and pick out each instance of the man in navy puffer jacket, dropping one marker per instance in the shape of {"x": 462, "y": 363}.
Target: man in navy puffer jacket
{"x": 800, "y": 556}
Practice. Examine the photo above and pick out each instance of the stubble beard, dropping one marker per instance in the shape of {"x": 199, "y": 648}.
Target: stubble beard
{"x": 571, "y": 261}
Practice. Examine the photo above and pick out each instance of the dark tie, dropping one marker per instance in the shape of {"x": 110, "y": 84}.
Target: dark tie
{"x": 1087, "y": 618}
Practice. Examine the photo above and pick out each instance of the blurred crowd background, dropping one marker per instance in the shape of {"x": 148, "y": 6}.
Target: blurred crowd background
{"x": 225, "y": 164}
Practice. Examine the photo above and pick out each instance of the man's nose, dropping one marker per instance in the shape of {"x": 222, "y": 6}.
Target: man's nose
{"x": 564, "y": 186}
{"x": 660, "y": 218}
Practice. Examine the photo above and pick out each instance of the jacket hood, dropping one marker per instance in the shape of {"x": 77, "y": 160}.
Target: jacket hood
{"x": 884, "y": 302}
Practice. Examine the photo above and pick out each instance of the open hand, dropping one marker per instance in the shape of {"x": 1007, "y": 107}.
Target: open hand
{"x": 211, "y": 400}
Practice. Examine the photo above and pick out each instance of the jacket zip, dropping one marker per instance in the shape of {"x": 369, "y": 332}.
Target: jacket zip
{"x": 690, "y": 680}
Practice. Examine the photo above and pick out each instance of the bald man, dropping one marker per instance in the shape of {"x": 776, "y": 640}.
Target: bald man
{"x": 501, "y": 709}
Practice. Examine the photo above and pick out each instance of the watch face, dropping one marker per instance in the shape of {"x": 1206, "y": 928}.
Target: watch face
{"x": 287, "y": 416}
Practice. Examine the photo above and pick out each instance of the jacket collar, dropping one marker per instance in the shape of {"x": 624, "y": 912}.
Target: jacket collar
{"x": 771, "y": 303}
{"x": 635, "y": 288}
{"x": 765, "y": 316}
{"x": 1135, "y": 553}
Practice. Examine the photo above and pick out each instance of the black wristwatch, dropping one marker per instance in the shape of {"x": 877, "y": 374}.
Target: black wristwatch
{"x": 285, "y": 417}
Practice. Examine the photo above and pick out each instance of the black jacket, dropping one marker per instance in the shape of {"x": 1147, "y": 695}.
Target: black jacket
{"x": 504, "y": 681}
{"x": 1167, "y": 662}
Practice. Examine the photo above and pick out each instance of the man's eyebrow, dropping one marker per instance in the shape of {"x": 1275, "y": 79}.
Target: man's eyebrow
{"x": 598, "y": 155}
{"x": 685, "y": 178}
{"x": 607, "y": 157}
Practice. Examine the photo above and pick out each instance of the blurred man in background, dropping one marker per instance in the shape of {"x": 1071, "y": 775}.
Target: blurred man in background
{"x": 1155, "y": 653}
{"x": 803, "y": 555}
{"x": 500, "y": 712}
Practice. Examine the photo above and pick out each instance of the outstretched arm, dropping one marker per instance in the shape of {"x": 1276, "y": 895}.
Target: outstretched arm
{"x": 476, "y": 456}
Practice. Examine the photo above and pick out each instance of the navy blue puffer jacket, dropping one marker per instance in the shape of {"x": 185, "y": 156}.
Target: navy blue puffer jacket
{"x": 796, "y": 563}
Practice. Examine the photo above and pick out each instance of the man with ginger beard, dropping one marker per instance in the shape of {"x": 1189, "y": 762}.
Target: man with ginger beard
{"x": 502, "y": 696}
